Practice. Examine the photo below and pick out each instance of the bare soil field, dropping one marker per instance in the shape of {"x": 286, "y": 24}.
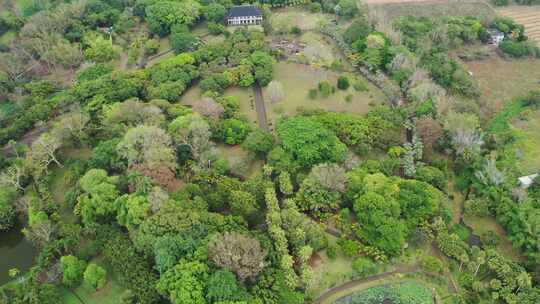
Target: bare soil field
{"x": 503, "y": 79}
{"x": 392, "y": 9}
{"x": 529, "y": 16}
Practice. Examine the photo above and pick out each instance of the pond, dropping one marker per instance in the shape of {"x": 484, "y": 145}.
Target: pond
{"x": 15, "y": 252}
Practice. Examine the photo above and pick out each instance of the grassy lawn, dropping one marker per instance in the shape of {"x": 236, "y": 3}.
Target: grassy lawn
{"x": 285, "y": 18}
{"x": 320, "y": 50}
{"x": 247, "y": 102}
{"x": 431, "y": 8}
{"x": 502, "y": 79}
{"x": 529, "y": 142}
{"x": 298, "y": 79}
{"x": 328, "y": 273}
{"x": 481, "y": 225}
{"x": 110, "y": 294}
{"x": 61, "y": 181}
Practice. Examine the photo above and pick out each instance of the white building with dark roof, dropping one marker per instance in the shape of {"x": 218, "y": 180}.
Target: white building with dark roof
{"x": 244, "y": 15}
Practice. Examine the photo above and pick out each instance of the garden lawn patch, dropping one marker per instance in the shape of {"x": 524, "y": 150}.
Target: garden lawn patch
{"x": 482, "y": 225}
{"x": 328, "y": 273}
{"x": 284, "y": 19}
{"x": 431, "y": 8}
{"x": 528, "y": 142}
{"x": 320, "y": 51}
{"x": 298, "y": 79}
{"x": 110, "y": 294}
{"x": 247, "y": 103}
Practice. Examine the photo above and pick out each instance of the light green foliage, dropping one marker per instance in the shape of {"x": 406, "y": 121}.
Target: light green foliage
{"x": 234, "y": 131}
{"x": 99, "y": 195}
{"x": 381, "y": 227}
{"x": 149, "y": 146}
{"x": 72, "y": 270}
{"x": 419, "y": 201}
{"x": 364, "y": 267}
{"x": 285, "y": 185}
{"x": 184, "y": 283}
{"x": 244, "y": 204}
{"x": 162, "y": 15}
{"x": 95, "y": 276}
{"x": 132, "y": 210}
{"x": 309, "y": 142}
{"x": 99, "y": 49}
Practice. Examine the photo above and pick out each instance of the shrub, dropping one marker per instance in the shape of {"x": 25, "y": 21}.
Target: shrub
{"x": 343, "y": 83}
{"x": 216, "y": 28}
{"x": 500, "y": 2}
{"x": 349, "y": 248}
{"x": 72, "y": 270}
{"x": 315, "y": 7}
{"x": 312, "y": 93}
{"x": 95, "y": 276}
{"x": 325, "y": 88}
{"x": 432, "y": 265}
{"x": 364, "y": 267}
{"x": 296, "y": 30}
{"x": 518, "y": 49}
{"x": 331, "y": 251}
{"x": 151, "y": 47}
{"x": 360, "y": 86}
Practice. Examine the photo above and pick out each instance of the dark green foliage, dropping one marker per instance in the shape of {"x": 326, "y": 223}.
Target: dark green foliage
{"x": 7, "y": 209}
{"x": 105, "y": 156}
{"x": 214, "y": 12}
{"x": 518, "y": 49}
{"x": 222, "y": 286}
{"x": 343, "y": 83}
{"x": 358, "y": 30}
{"x": 183, "y": 41}
{"x": 133, "y": 270}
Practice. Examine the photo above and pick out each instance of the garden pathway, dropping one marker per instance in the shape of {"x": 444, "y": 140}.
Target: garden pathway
{"x": 351, "y": 285}
{"x": 260, "y": 107}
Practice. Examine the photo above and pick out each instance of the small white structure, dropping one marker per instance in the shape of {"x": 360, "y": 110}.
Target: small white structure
{"x": 244, "y": 15}
{"x": 495, "y": 36}
{"x": 526, "y": 181}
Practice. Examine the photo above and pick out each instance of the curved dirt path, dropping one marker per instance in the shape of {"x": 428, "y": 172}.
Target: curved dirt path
{"x": 322, "y": 299}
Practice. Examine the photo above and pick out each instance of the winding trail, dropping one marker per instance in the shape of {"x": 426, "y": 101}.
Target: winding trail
{"x": 351, "y": 285}
{"x": 260, "y": 107}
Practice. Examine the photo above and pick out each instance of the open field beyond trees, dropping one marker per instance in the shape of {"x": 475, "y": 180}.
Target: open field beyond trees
{"x": 298, "y": 79}
{"x": 392, "y": 9}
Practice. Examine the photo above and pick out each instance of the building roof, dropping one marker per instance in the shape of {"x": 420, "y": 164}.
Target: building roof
{"x": 244, "y": 11}
{"x": 494, "y": 32}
